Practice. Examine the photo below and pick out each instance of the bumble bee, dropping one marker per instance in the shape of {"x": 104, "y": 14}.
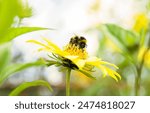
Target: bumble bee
{"x": 78, "y": 41}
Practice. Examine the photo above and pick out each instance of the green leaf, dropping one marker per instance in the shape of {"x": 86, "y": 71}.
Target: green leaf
{"x": 87, "y": 74}
{"x": 14, "y": 32}
{"x": 4, "y": 55}
{"x": 14, "y": 68}
{"x": 51, "y": 62}
{"x": 26, "y": 85}
{"x": 125, "y": 37}
{"x": 8, "y": 11}
{"x": 24, "y": 11}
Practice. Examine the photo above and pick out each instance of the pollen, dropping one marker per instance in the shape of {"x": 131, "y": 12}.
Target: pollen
{"x": 74, "y": 50}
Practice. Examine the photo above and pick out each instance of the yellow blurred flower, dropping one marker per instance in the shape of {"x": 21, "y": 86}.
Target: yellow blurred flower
{"x": 141, "y": 22}
{"x": 75, "y": 56}
{"x": 146, "y": 56}
{"x": 95, "y": 6}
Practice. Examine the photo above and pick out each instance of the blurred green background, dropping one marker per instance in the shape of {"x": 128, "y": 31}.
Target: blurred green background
{"x": 118, "y": 32}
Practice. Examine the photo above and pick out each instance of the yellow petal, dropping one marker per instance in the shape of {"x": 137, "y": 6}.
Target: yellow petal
{"x": 117, "y": 75}
{"x": 112, "y": 73}
{"x": 45, "y": 49}
{"x": 38, "y": 43}
{"x": 71, "y": 57}
{"x": 105, "y": 70}
{"x": 80, "y": 63}
{"x": 51, "y": 44}
{"x": 103, "y": 62}
{"x": 55, "y": 48}
{"x": 50, "y": 47}
{"x": 76, "y": 60}
{"x": 95, "y": 60}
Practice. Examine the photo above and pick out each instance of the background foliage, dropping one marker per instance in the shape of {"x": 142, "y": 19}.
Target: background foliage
{"x": 123, "y": 40}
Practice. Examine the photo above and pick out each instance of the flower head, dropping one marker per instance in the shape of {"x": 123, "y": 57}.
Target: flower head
{"x": 75, "y": 56}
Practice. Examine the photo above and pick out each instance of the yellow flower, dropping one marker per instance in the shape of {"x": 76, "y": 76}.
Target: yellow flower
{"x": 146, "y": 57}
{"x": 141, "y": 22}
{"x": 75, "y": 56}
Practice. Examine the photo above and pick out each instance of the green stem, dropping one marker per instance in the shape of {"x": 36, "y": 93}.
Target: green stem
{"x": 139, "y": 72}
{"x": 138, "y": 80}
{"x": 139, "y": 69}
{"x": 68, "y": 82}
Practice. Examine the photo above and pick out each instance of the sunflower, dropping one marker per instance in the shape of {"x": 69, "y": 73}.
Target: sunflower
{"x": 75, "y": 57}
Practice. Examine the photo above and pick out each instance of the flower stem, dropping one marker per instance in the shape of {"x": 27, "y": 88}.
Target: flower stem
{"x": 68, "y": 82}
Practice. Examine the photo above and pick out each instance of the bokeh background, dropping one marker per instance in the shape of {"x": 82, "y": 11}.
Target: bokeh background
{"x": 97, "y": 20}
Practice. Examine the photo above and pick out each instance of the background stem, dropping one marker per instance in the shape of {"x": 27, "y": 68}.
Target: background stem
{"x": 138, "y": 80}
{"x": 139, "y": 68}
{"x": 68, "y": 82}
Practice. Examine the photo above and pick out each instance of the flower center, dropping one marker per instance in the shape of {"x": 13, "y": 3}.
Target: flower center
{"x": 77, "y": 47}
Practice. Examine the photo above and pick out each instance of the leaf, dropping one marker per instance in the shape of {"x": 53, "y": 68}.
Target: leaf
{"x": 125, "y": 37}
{"x": 24, "y": 11}
{"x": 26, "y": 85}
{"x": 51, "y": 62}
{"x": 8, "y": 11}
{"x": 87, "y": 74}
{"x": 14, "y": 68}
{"x": 4, "y": 55}
{"x": 14, "y": 32}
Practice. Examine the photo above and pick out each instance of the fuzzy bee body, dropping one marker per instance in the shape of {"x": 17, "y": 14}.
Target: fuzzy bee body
{"x": 78, "y": 41}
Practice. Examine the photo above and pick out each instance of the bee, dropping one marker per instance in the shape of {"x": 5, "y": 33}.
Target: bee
{"x": 78, "y": 41}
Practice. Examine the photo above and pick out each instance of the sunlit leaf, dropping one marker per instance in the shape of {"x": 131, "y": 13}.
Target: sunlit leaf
{"x": 24, "y": 11}
{"x": 8, "y": 11}
{"x": 14, "y": 68}
{"x": 14, "y": 32}
{"x": 26, "y": 85}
